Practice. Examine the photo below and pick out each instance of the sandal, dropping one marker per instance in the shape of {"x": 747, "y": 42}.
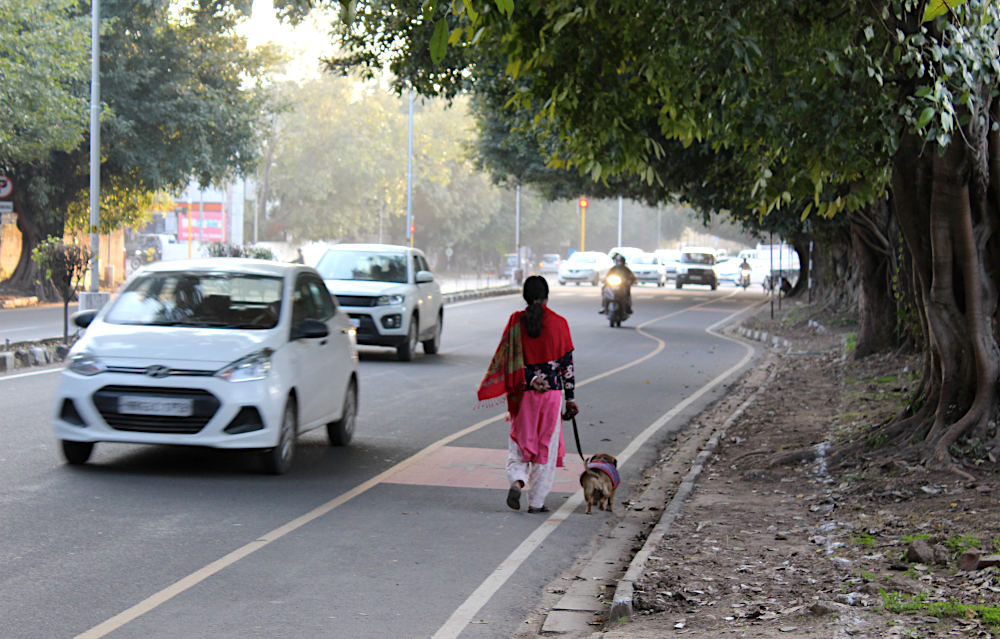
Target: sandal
{"x": 540, "y": 509}
{"x": 514, "y": 497}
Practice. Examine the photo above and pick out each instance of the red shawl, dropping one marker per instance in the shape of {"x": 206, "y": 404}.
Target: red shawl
{"x": 505, "y": 375}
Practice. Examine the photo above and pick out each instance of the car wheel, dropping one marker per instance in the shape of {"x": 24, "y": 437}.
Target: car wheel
{"x": 406, "y": 350}
{"x": 77, "y": 452}
{"x": 278, "y": 460}
{"x": 715, "y": 285}
{"x": 341, "y": 431}
{"x": 562, "y": 282}
{"x": 432, "y": 345}
{"x": 595, "y": 281}
{"x": 679, "y": 284}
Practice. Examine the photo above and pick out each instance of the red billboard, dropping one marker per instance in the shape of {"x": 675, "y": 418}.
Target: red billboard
{"x": 208, "y": 225}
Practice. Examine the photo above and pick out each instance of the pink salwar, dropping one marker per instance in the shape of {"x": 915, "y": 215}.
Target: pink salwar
{"x": 536, "y": 444}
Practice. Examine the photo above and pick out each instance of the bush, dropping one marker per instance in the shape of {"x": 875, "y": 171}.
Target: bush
{"x": 218, "y": 249}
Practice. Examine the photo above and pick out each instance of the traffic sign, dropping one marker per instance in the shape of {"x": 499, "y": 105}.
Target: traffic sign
{"x": 6, "y": 206}
{"x": 6, "y": 186}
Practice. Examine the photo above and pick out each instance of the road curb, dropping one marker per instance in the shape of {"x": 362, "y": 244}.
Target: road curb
{"x": 462, "y": 296}
{"x": 621, "y": 607}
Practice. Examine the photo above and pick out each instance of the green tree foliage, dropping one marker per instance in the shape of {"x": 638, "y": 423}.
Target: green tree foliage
{"x": 180, "y": 98}
{"x": 63, "y": 266}
{"x": 44, "y": 65}
{"x": 785, "y": 110}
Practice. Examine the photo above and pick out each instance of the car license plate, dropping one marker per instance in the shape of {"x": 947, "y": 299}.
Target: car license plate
{"x": 144, "y": 405}
{"x": 355, "y": 322}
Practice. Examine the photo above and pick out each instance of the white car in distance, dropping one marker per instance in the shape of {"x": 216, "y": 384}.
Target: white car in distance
{"x": 647, "y": 269}
{"x": 389, "y": 293}
{"x": 224, "y": 353}
{"x": 585, "y": 266}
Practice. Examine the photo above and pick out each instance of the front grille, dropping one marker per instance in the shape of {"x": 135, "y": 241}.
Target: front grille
{"x": 366, "y": 328}
{"x": 356, "y": 300}
{"x": 173, "y": 372}
{"x": 204, "y": 406}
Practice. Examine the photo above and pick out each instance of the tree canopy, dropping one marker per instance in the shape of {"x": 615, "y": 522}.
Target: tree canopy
{"x": 773, "y": 109}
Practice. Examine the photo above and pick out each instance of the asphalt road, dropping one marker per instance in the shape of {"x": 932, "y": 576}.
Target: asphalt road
{"x": 402, "y": 534}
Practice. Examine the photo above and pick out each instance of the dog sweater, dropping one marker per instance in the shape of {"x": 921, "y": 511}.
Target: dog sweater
{"x": 608, "y": 469}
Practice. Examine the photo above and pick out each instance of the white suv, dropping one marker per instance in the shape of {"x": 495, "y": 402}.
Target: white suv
{"x": 389, "y": 293}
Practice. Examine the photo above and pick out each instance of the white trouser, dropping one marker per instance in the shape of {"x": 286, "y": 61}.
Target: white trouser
{"x": 537, "y": 477}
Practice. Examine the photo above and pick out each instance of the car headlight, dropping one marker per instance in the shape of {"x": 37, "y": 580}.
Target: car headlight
{"x": 248, "y": 369}
{"x": 388, "y": 300}
{"x": 86, "y": 364}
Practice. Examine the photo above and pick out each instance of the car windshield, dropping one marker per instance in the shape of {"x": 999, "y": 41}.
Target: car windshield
{"x": 587, "y": 259}
{"x": 550, "y": 258}
{"x": 644, "y": 259}
{"x": 699, "y": 258}
{"x": 363, "y": 265}
{"x": 217, "y": 300}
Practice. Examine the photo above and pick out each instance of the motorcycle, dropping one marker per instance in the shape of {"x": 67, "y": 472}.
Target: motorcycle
{"x": 142, "y": 256}
{"x": 616, "y": 294}
{"x": 745, "y": 278}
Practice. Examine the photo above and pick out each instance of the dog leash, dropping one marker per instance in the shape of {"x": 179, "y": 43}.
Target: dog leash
{"x": 576, "y": 436}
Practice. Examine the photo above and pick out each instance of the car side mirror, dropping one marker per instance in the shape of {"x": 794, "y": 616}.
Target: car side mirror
{"x": 424, "y": 277}
{"x": 310, "y": 329}
{"x": 84, "y": 318}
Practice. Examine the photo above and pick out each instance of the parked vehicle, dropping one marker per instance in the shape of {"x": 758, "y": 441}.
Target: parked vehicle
{"x": 696, "y": 267}
{"x": 389, "y": 293}
{"x": 226, "y": 353}
{"x": 648, "y": 269}
{"x": 585, "y": 266}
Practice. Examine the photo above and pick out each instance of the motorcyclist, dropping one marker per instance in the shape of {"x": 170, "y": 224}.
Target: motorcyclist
{"x": 745, "y": 271}
{"x": 628, "y": 278}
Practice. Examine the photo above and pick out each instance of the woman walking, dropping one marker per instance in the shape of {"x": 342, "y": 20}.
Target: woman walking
{"x": 533, "y": 367}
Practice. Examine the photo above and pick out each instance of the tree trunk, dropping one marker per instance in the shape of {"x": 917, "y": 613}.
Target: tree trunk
{"x": 872, "y": 249}
{"x": 948, "y": 221}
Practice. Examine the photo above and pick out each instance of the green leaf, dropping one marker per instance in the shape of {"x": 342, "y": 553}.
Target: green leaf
{"x": 469, "y": 9}
{"x": 937, "y": 8}
{"x": 925, "y": 116}
{"x": 439, "y": 41}
{"x": 506, "y": 7}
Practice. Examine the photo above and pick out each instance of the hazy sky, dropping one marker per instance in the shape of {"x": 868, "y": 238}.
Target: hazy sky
{"x": 306, "y": 43}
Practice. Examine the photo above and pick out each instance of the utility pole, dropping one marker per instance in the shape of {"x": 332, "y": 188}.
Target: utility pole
{"x": 93, "y": 300}
{"x": 619, "y": 220}
{"x": 409, "y": 175}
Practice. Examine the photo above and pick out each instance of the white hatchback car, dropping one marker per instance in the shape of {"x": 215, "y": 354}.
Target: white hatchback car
{"x": 585, "y": 266}
{"x": 224, "y": 353}
{"x": 389, "y": 293}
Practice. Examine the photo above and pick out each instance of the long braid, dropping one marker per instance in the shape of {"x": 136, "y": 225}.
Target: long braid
{"x": 536, "y": 290}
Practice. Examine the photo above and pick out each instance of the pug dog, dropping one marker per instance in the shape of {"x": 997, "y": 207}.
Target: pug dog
{"x": 599, "y": 481}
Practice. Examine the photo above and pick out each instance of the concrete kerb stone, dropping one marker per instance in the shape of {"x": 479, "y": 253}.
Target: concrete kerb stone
{"x": 462, "y": 296}
{"x": 621, "y": 607}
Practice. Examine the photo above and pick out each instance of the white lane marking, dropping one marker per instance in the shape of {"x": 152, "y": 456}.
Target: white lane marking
{"x": 485, "y": 590}
{"x": 31, "y": 374}
{"x": 463, "y": 615}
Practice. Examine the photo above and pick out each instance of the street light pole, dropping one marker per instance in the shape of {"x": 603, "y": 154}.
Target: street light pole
{"x": 95, "y": 143}
{"x": 583, "y": 223}
{"x": 409, "y": 175}
{"x": 517, "y": 225}
{"x": 619, "y": 220}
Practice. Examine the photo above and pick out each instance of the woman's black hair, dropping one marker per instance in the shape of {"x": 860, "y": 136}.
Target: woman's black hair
{"x": 536, "y": 290}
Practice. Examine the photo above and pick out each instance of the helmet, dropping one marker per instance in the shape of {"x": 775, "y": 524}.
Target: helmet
{"x": 619, "y": 259}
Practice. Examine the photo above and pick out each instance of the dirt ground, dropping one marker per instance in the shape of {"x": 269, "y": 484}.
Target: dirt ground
{"x": 811, "y": 549}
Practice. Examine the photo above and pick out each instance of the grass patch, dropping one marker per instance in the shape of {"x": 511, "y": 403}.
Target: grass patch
{"x": 960, "y": 543}
{"x": 904, "y": 604}
{"x": 863, "y": 540}
{"x": 909, "y": 539}
{"x": 850, "y": 342}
